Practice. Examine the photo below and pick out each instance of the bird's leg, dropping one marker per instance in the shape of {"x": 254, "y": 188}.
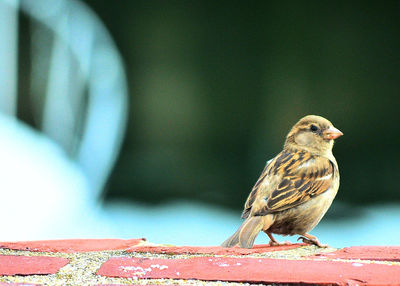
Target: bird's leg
{"x": 311, "y": 239}
{"x": 273, "y": 241}
{"x": 268, "y": 221}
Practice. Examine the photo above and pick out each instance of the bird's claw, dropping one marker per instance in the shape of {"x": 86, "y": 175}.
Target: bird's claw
{"x": 275, "y": 243}
{"x": 311, "y": 241}
{"x": 304, "y": 240}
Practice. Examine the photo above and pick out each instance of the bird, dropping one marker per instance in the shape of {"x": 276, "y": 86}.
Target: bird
{"x": 295, "y": 189}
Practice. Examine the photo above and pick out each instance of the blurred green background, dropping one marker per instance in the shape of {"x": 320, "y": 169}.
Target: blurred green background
{"x": 216, "y": 85}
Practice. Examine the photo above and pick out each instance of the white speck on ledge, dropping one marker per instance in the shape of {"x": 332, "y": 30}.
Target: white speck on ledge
{"x": 223, "y": 265}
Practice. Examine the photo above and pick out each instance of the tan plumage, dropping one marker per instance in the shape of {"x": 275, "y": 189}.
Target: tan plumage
{"x": 295, "y": 188}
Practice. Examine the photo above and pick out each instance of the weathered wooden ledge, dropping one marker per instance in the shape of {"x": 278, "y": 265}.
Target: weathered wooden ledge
{"x": 139, "y": 262}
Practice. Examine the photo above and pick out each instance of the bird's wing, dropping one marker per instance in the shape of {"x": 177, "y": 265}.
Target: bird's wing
{"x": 256, "y": 189}
{"x": 298, "y": 176}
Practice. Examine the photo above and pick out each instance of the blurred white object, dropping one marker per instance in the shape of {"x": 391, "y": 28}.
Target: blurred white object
{"x": 83, "y": 59}
{"x": 54, "y": 176}
{"x": 77, "y": 82}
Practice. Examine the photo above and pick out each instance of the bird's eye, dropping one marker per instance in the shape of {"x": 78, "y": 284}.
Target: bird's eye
{"x": 313, "y": 128}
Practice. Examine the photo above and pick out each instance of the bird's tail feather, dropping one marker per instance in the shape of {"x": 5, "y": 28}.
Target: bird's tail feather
{"x": 247, "y": 233}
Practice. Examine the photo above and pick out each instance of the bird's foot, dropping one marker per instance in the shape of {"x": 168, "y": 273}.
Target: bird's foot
{"x": 273, "y": 242}
{"x": 310, "y": 239}
{"x": 276, "y": 243}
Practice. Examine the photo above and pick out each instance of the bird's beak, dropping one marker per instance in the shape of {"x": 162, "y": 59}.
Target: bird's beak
{"x": 332, "y": 133}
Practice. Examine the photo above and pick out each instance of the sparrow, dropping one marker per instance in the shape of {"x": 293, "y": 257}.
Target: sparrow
{"x": 295, "y": 189}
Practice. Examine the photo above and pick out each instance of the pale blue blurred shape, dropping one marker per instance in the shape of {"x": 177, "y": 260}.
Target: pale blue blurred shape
{"x": 8, "y": 55}
{"x": 82, "y": 38}
{"x": 54, "y": 176}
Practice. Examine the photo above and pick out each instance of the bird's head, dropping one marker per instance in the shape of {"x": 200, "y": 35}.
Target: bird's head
{"x": 314, "y": 134}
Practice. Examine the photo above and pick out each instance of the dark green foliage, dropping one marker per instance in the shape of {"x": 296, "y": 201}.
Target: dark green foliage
{"x": 215, "y": 87}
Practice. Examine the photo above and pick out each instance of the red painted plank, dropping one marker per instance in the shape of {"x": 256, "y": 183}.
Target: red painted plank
{"x": 261, "y": 270}
{"x": 30, "y": 265}
{"x": 216, "y": 250}
{"x": 382, "y": 253}
{"x": 72, "y": 245}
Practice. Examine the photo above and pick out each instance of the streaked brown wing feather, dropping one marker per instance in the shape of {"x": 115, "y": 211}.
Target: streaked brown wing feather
{"x": 253, "y": 194}
{"x": 297, "y": 185}
{"x": 271, "y": 168}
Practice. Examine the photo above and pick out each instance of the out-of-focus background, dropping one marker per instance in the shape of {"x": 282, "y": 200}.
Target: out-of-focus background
{"x": 155, "y": 118}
